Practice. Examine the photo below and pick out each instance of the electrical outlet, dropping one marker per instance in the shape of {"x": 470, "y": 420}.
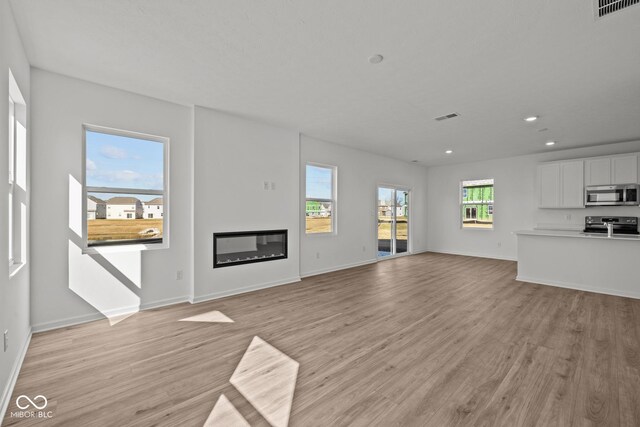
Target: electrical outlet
{"x": 567, "y": 217}
{"x": 317, "y": 255}
{"x": 179, "y": 275}
{"x": 364, "y": 248}
{"x": 6, "y": 340}
{"x": 499, "y": 244}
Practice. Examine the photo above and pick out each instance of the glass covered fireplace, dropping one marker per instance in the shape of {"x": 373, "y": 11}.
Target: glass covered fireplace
{"x": 248, "y": 246}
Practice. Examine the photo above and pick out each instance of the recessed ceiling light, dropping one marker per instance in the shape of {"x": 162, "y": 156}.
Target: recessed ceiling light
{"x": 531, "y": 119}
{"x": 376, "y": 59}
{"x": 550, "y": 143}
{"x": 448, "y": 152}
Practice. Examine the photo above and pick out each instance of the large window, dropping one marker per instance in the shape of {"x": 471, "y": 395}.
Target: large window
{"x": 477, "y": 203}
{"x": 320, "y": 210}
{"x": 17, "y": 178}
{"x": 125, "y": 181}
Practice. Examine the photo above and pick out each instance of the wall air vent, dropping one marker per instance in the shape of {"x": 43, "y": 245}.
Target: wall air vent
{"x": 450, "y": 116}
{"x": 606, "y": 7}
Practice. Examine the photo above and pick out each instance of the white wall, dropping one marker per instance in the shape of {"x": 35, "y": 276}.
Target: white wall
{"x": 233, "y": 159}
{"x": 68, "y": 287}
{"x": 359, "y": 174}
{"x": 14, "y": 292}
{"x": 515, "y": 202}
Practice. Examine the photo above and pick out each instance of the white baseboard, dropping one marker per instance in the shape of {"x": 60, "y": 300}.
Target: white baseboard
{"x": 421, "y": 251}
{"x": 231, "y": 292}
{"x": 578, "y": 287}
{"x": 13, "y": 377}
{"x": 91, "y": 317}
{"x": 474, "y": 254}
{"x": 164, "y": 302}
{"x": 338, "y": 268}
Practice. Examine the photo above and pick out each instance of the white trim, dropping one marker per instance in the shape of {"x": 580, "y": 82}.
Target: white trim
{"x": 337, "y": 268}
{"x": 13, "y": 377}
{"x": 243, "y": 290}
{"x": 84, "y": 318}
{"x": 91, "y": 317}
{"x": 14, "y": 268}
{"x": 421, "y": 251}
{"x": 164, "y": 302}
{"x": 395, "y": 188}
{"x": 578, "y": 287}
{"x": 394, "y": 256}
{"x": 333, "y": 200}
{"x": 165, "y": 141}
{"x": 473, "y": 254}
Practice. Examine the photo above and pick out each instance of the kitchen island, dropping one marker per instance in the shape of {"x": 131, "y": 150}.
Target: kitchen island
{"x": 585, "y": 261}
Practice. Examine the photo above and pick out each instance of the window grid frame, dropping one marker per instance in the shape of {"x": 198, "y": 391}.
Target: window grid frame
{"x": 333, "y": 200}
{"x": 464, "y": 205}
{"x": 147, "y": 244}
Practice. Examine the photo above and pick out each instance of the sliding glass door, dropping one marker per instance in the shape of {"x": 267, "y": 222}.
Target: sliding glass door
{"x": 393, "y": 221}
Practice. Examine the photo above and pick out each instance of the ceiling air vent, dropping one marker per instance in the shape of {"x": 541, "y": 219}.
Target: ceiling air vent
{"x": 450, "y": 116}
{"x": 606, "y": 7}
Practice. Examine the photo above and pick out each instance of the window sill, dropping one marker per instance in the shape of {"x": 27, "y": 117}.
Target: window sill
{"x": 477, "y": 228}
{"x": 112, "y": 249}
{"x": 323, "y": 234}
{"x": 13, "y": 270}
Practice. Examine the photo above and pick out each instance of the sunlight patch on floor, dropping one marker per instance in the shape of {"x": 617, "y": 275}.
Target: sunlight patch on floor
{"x": 212, "y": 316}
{"x": 225, "y": 414}
{"x": 266, "y": 377}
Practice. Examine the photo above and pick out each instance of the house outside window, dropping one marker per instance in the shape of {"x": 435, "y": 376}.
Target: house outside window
{"x": 320, "y": 203}
{"x": 477, "y": 200}
{"x": 125, "y": 177}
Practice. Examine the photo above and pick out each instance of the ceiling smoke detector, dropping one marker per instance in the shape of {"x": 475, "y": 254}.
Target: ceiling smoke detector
{"x": 376, "y": 59}
{"x": 446, "y": 117}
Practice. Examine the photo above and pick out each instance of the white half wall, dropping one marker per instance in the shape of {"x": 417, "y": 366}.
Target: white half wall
{"x": 68, "y": 287}
{"x": 515, "y": 206}
{"x": 359, "y": 174}
{"x": 14, "y": 291}
{"x": 234, "y": 157}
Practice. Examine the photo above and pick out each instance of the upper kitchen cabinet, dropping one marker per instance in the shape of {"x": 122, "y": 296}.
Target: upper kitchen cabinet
{"x": 561, "y": 184}
{"x": 624, "y": 169}
{"x": 621, "y": 169}
{"x": 549, "y": 185}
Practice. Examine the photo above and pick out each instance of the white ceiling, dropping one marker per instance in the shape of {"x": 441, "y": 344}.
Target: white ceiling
{"x": 303, "y": 65}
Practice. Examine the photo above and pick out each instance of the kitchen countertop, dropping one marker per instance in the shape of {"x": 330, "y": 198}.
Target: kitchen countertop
{"x": 578, "y": 234}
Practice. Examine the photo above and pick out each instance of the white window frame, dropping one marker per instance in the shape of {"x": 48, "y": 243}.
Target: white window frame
{"x": 333, "y": 200}
{"x": 133, "y": 244}
{"x": 11, "y": 177}
{"x": 462, "y": 195}
{"x": 17, "y": 179}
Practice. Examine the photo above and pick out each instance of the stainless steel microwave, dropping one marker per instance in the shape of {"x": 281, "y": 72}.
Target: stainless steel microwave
{"x": 612, "y": 195}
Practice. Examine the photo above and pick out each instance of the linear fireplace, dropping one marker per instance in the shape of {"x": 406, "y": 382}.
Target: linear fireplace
{"x": 248, "y": 246}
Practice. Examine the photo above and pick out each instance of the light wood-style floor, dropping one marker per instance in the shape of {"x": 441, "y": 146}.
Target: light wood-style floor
{"x": 428, "y": 340}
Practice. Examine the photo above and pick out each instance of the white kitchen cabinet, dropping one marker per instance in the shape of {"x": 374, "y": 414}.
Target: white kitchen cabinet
{"x": 561, "y": 185}
{"x": 572, "y": 184}
{"x": 598, "y": 171}
{"x": 549, "y": 185}
{"x": 624, "y": 169}
{"x": 610, "y": 170}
